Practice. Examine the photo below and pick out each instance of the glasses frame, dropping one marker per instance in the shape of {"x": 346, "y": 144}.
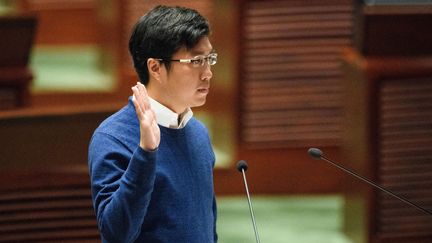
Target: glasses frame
{"x": 197, "y": 61}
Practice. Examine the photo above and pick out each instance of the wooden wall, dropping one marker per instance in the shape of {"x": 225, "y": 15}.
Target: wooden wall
{"x": 52, "y": 135}
{"x": 389, "y": 125}
{"x": 45, "y": 137}
{"x": 63, "y": 21}
{"x": 44, "y": 181}
{"x": 274, "y": 167}
{"x": 278, "y": 81}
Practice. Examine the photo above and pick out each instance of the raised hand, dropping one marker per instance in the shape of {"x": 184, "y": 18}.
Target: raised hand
{"x": 149, "y": 129}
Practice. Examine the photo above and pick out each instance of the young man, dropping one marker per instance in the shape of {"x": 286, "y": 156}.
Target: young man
{"x": 151, "y": 163}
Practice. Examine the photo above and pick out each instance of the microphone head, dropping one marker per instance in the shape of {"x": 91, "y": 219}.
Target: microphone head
{"x": 242, "y": 165}
{"x": 315, "y": 153}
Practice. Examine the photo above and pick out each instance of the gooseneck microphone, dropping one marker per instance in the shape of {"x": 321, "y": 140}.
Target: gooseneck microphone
{"x": 318, "y": 154}
{"x": 242, "y": 166}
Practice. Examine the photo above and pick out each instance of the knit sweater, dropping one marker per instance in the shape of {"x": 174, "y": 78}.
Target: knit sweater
{"x": 161, "y": 196}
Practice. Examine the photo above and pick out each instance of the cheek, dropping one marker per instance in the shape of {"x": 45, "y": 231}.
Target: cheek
{"x": 184, "y": 80}
{"x": 182, "y": 88}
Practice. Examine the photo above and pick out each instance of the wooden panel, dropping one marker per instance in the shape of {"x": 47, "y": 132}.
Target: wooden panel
{"x": 49, "y": 136}
{"x": 391, "y": 124}
{"x": 49, "y": 205}
{"x": 8, "y": 98}
{"x": 281, "y": 171}
{"x": 291, "y": 82}
{"x": 14, "y": 86}
{"x": 17, "y": 34}
{"x": 402, "y": 38}
{"x": 63, "y": 21}
{"x": 388, "y": 140}
{"x": 405, "y": 155}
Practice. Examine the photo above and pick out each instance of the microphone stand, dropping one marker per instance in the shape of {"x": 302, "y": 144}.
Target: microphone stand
{"x": 317, "y": 154}
{"x": 242, "y": 167}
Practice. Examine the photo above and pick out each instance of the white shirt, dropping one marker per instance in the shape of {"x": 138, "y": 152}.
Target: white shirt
{"x": 167, "y": 118}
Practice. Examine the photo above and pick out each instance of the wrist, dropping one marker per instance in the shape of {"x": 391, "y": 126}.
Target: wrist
{"x": 148, "y": 149}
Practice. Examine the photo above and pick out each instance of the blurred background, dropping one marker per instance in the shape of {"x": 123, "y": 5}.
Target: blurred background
{"x": 353, "y": 78}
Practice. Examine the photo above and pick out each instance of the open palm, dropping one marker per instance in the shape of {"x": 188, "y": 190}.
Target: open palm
{"x": 149, "y": 129}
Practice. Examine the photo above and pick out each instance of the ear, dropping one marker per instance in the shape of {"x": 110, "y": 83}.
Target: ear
{"x": 155, "y": 68}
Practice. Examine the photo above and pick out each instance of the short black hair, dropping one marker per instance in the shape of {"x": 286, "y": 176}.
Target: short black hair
{"x": 162, "y": 32}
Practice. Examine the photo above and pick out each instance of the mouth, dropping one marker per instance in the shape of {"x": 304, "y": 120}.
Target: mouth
{"x": 203, "y": 90}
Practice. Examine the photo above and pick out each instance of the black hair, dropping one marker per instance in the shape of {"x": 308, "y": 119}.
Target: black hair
{"x": 162, "y": 32}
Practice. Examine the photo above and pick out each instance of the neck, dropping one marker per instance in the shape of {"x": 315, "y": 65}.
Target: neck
{"x": 159, "y": 96}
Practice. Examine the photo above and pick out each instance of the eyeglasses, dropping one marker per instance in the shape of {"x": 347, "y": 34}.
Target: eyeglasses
{"x": 197, "y": 61}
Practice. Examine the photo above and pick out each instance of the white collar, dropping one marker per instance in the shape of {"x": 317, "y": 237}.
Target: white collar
{"x": 167, "y": 118}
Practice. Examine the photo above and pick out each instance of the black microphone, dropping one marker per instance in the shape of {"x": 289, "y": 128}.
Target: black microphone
{"x": 242, "y": 166}
{"x": 318, "y": 154}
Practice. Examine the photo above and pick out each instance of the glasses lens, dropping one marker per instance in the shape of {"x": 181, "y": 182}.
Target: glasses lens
{"x": 200, "y": 61}
{"x": 212, "y": 59}
{"x": 197, "y": 61}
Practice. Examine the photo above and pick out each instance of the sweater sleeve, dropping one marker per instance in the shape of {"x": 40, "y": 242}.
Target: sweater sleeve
{"x": 122, "y": 183}
{"x": 215, "y": 235}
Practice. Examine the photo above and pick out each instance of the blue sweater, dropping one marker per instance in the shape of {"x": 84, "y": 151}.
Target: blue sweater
{"x": 161, "y": 196}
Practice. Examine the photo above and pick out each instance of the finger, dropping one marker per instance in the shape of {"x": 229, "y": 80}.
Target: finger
{"x": 138, "y": 96}
{"x": 153, "y": 115}
{"x": 142, "y": 98}
{"x": 155, "y": 129}
{"x": 150, "y": 116}
{"x": 137, "y": 105}
{"x": 135, "y": 96}
{"x": 144, "y": 95}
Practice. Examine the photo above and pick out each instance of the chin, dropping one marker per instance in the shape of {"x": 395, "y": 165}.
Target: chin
{"x": 198, "y": 103}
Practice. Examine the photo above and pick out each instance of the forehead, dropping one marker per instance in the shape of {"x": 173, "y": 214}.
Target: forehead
{"x": 203, "y": 47}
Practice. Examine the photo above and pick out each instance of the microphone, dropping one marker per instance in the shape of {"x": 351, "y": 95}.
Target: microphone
{"x": 242, "y": 166}
{"x": 318, "y": 154}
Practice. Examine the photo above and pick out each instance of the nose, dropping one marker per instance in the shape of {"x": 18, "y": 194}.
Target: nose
{"x": 207, "y": 73}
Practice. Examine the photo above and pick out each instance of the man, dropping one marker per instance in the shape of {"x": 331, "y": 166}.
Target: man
{"x": 151, "y": 162}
